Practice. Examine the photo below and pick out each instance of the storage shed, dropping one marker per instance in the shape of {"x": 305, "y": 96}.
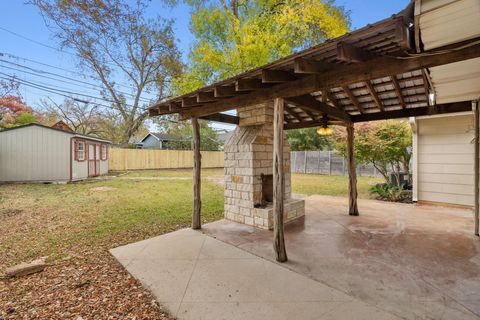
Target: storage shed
{"x": 38, "y": 153}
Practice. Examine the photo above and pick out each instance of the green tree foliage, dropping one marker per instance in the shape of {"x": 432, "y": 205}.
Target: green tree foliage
{"x": 385, "y": 144}
{"x": 308, "y": 139}
{"x": 240, "y": 35}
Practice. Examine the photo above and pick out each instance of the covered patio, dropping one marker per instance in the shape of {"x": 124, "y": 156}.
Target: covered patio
{"x": 381, "y": 71}
{"x": 413, "y": 262}
{"x": 395, "y": 261}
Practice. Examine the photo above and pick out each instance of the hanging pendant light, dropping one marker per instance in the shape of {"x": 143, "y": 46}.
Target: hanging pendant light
{"x": 324, "y": 129}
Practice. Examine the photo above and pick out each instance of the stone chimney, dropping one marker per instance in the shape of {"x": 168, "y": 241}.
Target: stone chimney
{"x": 249, "y": 169}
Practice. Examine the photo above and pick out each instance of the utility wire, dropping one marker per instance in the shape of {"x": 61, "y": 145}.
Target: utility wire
{"x": 38, "y": 72}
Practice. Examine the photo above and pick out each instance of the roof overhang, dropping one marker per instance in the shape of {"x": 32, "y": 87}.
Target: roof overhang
{"x": 370, "y": 74}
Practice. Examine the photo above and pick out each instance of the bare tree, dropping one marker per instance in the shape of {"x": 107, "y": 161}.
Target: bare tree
{"x": 116, "y": 42}
{"x": 82, "y": 117}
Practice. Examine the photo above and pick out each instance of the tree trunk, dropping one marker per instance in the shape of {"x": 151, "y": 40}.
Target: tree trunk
{"x": 278, "y": 181}
{"x": 352, "y": 173}
{"x": 197, "y": 203}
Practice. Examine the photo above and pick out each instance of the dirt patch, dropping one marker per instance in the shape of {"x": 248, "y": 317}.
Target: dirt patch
{"x": 103, "y": 188}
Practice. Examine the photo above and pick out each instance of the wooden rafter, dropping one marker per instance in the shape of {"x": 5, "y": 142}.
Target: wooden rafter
{"x": 398, "y": 90}
{"x": 414, "y": 112}
{"x": 353, "y": 99}
{"x": 349, "y": 53}
{"x": 340, "y": 76}
{"x": 307, "y": 102}
{"x": 224, "y": 91}
{"x": 374, "y": 94}
{"x": 426, "y": 84}
{"x": 277, "y": 76}
{"x": 293, "y": 114}
{"x": 221, "y": 117}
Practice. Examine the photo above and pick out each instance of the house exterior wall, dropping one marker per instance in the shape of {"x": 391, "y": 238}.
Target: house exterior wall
{"x": 34, "y": 154}
{"x": 444, "y": 159}
{"x": 152, "y": 143}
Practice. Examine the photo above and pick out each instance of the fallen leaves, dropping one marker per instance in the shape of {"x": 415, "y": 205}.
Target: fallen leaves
{"x": 92, "y": 287}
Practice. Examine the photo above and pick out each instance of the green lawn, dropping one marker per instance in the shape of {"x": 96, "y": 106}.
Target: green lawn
{"x": 60, "y": 220}
{"x": 75, "y": 225}
{"x": 56, "y": 220}
{"x": 206, "y": 172}
{"x": 309, "y": 184}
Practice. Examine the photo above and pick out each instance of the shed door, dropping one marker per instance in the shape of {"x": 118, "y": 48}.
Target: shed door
{"x": 93, "y": 160}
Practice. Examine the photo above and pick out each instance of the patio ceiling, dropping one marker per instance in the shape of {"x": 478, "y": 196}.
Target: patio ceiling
{"x": 370, "y": 74}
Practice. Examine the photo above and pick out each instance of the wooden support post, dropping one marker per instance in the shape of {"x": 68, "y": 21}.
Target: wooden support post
{"x": 352, "y": 173}
{"x": 278, "y": 181}
{"x": 476, "y": 114}
{"x": 197, "y": 202}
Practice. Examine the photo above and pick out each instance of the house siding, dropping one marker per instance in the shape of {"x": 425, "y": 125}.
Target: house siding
{"x": 151, "y": 142}
{"x": 445, "y": 160}
{"x": 34, "y": 154}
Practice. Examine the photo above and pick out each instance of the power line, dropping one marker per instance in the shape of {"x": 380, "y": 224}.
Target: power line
{"x": 36, "y": 72}
{"x": 37, "y": 42}
{"x": 9, "y": 55}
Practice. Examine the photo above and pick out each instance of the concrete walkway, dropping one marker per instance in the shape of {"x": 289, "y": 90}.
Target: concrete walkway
{"x": 196, "y": 276}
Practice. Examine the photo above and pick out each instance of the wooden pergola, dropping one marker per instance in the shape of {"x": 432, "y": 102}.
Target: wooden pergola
{"x": 374, "y": 73}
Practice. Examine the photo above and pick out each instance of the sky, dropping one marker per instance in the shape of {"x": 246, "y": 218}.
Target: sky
{"x": 26, "y": 41}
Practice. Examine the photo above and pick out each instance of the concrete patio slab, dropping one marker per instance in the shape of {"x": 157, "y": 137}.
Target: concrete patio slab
{"x": 198, "y": 277}
{"x": 415, "y": 261}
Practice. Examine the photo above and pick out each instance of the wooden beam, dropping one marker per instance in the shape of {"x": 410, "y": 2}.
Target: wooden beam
{"x": 207, "y": 96}
{"x": 310, "y": 103}
{"x": 476, "y": 120}
{"x": 224, "y": 118}
{"x": 223, "y": 91}
{"x": 197, "y": 202}
{"x": 248, "y": 84}
{"x": 352, "y": 98}
{"x": 349, "y": 53}
{"x": 414, "y": 112}
{"x": 333, "y": 100}
{"x": 426, "y": 84}
{"x": 190, "y": 102}
{"x": 278, "y": 181}
{"x": 342, "y": 75}
{"x": 398, "y": 90}
{"x": 352, "y": 173}
{"x": 302, "y": 65}
{"x": 311, "y": 124}
{"x": 174, "y": 106}
{"x": 276, "y": 76}
{"x": 373, "y": 93}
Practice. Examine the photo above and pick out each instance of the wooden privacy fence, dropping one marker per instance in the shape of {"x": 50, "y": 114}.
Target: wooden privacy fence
{"x": 136, "y": 159}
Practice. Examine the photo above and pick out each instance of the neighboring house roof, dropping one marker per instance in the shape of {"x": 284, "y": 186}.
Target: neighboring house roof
{"x": 162, "y": 137}
{"x": 74, "y": 134}
{"x": 62, "y": 126}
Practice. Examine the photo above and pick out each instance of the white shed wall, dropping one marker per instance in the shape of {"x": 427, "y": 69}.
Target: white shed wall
{"x": 445, "y": 159}
{"x": 34, "y": 153}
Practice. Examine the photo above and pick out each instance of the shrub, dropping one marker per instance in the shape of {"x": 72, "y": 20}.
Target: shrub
{"x": 390, "y": 192}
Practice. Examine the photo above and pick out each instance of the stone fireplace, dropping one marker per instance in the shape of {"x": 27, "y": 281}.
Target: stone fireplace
{"x": 248, "y": 171}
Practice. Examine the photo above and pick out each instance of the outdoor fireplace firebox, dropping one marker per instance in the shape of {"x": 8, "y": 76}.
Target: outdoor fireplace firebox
{"x": 267, "y": 189}
{"x": 249, "y": 169}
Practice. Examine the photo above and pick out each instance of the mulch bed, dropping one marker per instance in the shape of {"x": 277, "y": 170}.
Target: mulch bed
{"x": 85, "y": 287}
